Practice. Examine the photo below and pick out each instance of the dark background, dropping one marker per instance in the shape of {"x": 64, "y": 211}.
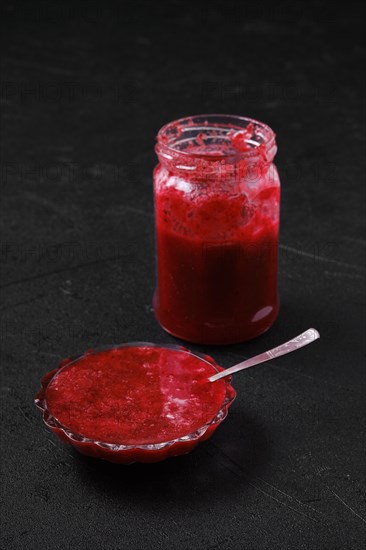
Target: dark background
{"x": 84, "y": 89}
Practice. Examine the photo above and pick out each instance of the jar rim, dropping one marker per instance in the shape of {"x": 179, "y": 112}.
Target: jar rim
{"x": 168, "y": 136}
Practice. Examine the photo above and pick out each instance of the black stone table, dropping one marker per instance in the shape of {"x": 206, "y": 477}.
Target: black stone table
{"x": 84, "y": 89}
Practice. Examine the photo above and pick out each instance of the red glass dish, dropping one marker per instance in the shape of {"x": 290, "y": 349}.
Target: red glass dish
{"x": 128, "y": 453}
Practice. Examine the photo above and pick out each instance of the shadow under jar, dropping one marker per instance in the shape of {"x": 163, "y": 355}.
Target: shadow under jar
{"x": 217, "y": 199}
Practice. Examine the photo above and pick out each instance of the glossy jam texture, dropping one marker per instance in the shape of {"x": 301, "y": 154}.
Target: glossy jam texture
{"x": 217, "y": 243}
{"x": 135, "y": 395}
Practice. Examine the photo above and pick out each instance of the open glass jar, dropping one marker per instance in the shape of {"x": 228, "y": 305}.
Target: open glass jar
{"x": 217, "y": 198}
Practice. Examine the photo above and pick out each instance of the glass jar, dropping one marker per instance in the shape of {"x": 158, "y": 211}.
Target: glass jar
{"x": 217, "y": 198}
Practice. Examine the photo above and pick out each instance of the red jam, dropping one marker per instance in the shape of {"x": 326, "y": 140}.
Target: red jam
{"x": 135, "y": 395}
{"x": 217, "y": 199}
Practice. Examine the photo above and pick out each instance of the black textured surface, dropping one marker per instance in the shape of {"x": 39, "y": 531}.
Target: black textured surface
{"x": 84, "y": 89}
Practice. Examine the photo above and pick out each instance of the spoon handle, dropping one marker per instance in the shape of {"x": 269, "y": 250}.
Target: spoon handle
{"x": 303, "y": 339}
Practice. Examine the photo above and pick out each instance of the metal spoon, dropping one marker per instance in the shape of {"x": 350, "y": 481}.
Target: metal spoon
{"x": 300, "y": 341}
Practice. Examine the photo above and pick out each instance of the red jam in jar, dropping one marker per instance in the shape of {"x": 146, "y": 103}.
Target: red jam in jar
{"x": 135, "y": 402}
{"x": 217, "y": 198}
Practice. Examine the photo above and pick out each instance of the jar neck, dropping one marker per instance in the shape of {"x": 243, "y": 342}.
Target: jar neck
{"x": 208, "y": 147}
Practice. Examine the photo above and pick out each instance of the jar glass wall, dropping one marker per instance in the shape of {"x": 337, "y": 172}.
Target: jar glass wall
{"x": 217, "y": 198}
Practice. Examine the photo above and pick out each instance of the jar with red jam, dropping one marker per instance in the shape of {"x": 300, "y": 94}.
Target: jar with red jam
{"x": 217, "y": 199}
